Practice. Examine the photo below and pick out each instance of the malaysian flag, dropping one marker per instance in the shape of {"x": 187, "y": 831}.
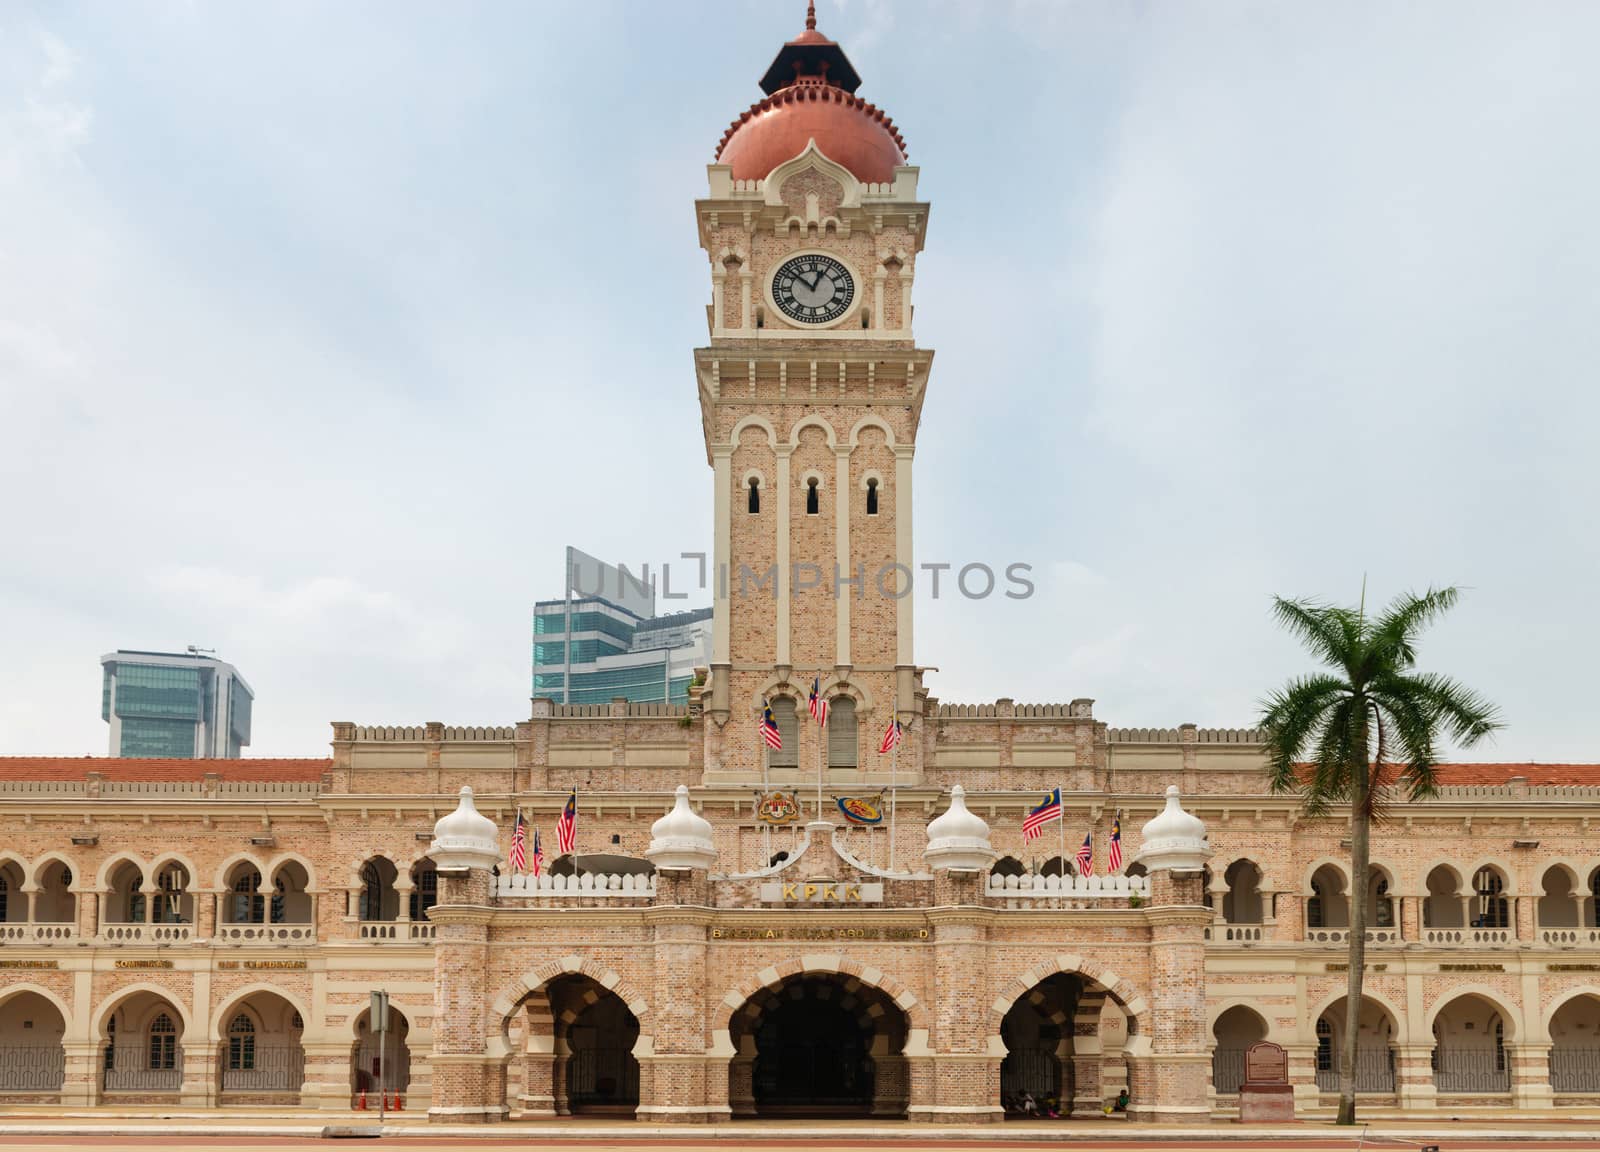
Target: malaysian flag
{"x": 769, "y": 727}
{"x": 1085, "y": 857}
{"x": 567, "y": 826}
{"x": 519, "y": 844}
{"x": 817, "y": 706}
{"x": 538, "y": 854}
{"x": 891, "y": 737}
{"x": 1114, "y": 852}
{"x": 1033, "y": 823}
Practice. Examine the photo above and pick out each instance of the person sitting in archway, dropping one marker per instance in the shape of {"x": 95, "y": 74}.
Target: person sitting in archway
{"x": 1122, "y": 1101}
{"x": 1029, "y": 1106}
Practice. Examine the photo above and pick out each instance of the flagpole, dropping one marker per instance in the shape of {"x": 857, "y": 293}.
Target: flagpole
{"x": 894, "y": 778}
{"x": 822, "y": 728}
{"x": 766, "y": 784}
{"x": 1061, "y": 825}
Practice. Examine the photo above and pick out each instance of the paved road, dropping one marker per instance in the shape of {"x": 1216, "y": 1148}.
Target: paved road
{"x": 529, "y": 1142}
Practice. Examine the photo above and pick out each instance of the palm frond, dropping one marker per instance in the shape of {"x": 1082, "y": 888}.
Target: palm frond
{"x": 1409, "y": 716}
{"x": 1393, "y": 632}
{"x": 1465, "y": 716}
{"x": 1323, "y": 628}
{"x": 1290, "y": 720}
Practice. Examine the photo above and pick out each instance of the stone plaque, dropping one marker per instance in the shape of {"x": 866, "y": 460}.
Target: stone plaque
{"x": 1266, "y": 1063}
{"x": 1266, "y": 1096}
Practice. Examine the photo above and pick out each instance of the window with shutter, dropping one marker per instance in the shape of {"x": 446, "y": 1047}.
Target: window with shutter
{"x": 842, "y": 733}
{"x": 789, "y": 729}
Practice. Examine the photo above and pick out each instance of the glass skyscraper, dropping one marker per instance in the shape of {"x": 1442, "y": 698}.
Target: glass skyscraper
{"x": 174, "y": 705}
{"x": 603, "y": 640}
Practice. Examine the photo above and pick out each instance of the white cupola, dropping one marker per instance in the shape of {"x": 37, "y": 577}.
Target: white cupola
{"x": 958, "y": 841}
{"x": 1175, "y": 839}
{"x": 681, "y": 840}
{"x": 465, "y": 838}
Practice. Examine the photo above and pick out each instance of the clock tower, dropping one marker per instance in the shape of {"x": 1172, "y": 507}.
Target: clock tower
{"x": 811, "y": 390}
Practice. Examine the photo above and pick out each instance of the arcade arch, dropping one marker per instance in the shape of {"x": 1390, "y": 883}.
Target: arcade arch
{"x": 819, "y": 1044}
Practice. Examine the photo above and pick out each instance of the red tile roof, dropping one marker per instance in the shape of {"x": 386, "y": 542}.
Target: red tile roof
{"x": 120, "y": 768}
{"x": 1538, "y": 774}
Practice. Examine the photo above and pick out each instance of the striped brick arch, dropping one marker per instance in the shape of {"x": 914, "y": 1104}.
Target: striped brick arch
{"x": 854, "y": 975}
{"x": 1099, "y": 982}
{"x": 536, "y": 979}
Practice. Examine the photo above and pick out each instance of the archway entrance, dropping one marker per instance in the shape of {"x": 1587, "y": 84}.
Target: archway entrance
{"x": 1036, "y": 1074}
{"x": 380, "y": 1060}
{"x": 819, "y": 1045}
{"x": 1235, "y": 1031}
{"x": 31, "y": 1056}
{"x": 576, "y": 1037}
{"x": 1065, "y": 1040}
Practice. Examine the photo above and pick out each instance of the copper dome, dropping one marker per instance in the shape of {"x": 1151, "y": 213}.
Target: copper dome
{"x": 810, "y": 90}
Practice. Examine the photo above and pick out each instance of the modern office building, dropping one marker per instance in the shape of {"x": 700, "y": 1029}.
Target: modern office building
{"x": 174, "y": 705}
{"x": 603, "y": 640}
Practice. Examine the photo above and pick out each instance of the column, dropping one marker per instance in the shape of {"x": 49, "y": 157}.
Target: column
{"x": 842, "y": 498}
{"x": 538, "y": 1057}
{"x": 1168, "y": 1070}
{"x": 1529, "y": 1065}
{"x": 88, "y": 914}
{"x": 1087, "y": 1056}
{"x": 205, "y": 913}
{"x": 741, "y": 1080}
{"x": 1291, "y": 918}
{"x": 964, "y": 1085}
{"x": 81, "y": 1085}
{"x": 462, "y": 1092}
{"x": 200, "y": 1070}
{"x": 1522, "y": 909}
{"x": 326, "y": 1083}
{"x": 1411, "y": 917}
{"x": 674, "y": 1068}
{"x": 1413, "y": 1076}
{"x": 1302, "y": 1060}
{"x": 785, "y": 497}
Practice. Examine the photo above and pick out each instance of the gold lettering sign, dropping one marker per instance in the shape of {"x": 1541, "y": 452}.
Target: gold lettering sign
{"x": 821, "y": 892}
{"x": 819, "y": 934}
{"x": 30, "y": 964}
{"x": 1346, "y": 967}
{"x": 274, "y": 963}
{"x": 144, "y": 963}
{"x": 1572, "y": 967}
{"x": 1472, "y": 967}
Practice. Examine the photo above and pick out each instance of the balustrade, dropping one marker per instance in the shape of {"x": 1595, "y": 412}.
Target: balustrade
{"x": 267, "y": 933}
{"x": 1467, "y": 937}
{"x": 38, "y": 933}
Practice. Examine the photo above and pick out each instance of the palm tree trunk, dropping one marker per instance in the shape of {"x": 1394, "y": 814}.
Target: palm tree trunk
{"x": 1360, "y": 827}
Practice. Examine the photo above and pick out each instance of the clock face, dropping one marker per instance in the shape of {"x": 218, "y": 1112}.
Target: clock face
{"x": 813, "y": 289}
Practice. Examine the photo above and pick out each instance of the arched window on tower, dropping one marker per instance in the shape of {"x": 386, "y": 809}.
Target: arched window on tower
{"x": 872, "y": 497}
{"x": 755, "y": 496}
{"x": 842, "y": 733}
{"x": 811, "y": 497}
{"x": 789, "y": 731}
{"x": 1324, "y": 1046}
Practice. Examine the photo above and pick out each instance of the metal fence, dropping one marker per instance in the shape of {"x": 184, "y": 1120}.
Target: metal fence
{"x": 394, "y": 1062}
{"x": 1227, "y": 1070}
{"x": 1470, "y": 1070}
{"x": 32, "y": 1068}
{"x": 603, "y": 1076}
{"x": 264, "y": 1068}
{"x": 1032, "y": 1070}
{"x": 1575, "y": 1069}
{"x": 138, "y": 1068}
{"x": 1374, "y": 1071}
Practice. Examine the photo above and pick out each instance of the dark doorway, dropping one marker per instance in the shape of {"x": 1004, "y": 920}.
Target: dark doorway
{"x": 819, "y": 1042}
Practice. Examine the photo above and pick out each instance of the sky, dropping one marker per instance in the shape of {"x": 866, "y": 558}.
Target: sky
{"x": 325, "y": 327}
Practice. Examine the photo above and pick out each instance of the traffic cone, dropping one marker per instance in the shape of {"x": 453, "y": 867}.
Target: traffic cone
{"x": 361, "y": 1101}
{"x": 396, "y": 1106}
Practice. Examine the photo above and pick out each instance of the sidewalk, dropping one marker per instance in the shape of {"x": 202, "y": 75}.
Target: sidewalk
{"x": 42, "y": 1121}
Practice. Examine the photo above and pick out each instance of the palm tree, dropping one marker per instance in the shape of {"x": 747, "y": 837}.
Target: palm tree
{"x": 1359, "y": 734}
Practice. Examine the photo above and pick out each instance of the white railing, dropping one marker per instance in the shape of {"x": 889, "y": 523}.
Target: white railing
{"x": 1467, "y": 937}
{"x": 1569, "y": 937}
{"x": 37, "y": 933}
{"x": 396, "y": 930}
{"x": 1082, "y": 887}
{"x": 1236, "y": 933}
{"x": 136, "y": 933}
{"x": 1342, "y": 935}
{"x": 267, "y": 933}
{"x": 585, "y": 885}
